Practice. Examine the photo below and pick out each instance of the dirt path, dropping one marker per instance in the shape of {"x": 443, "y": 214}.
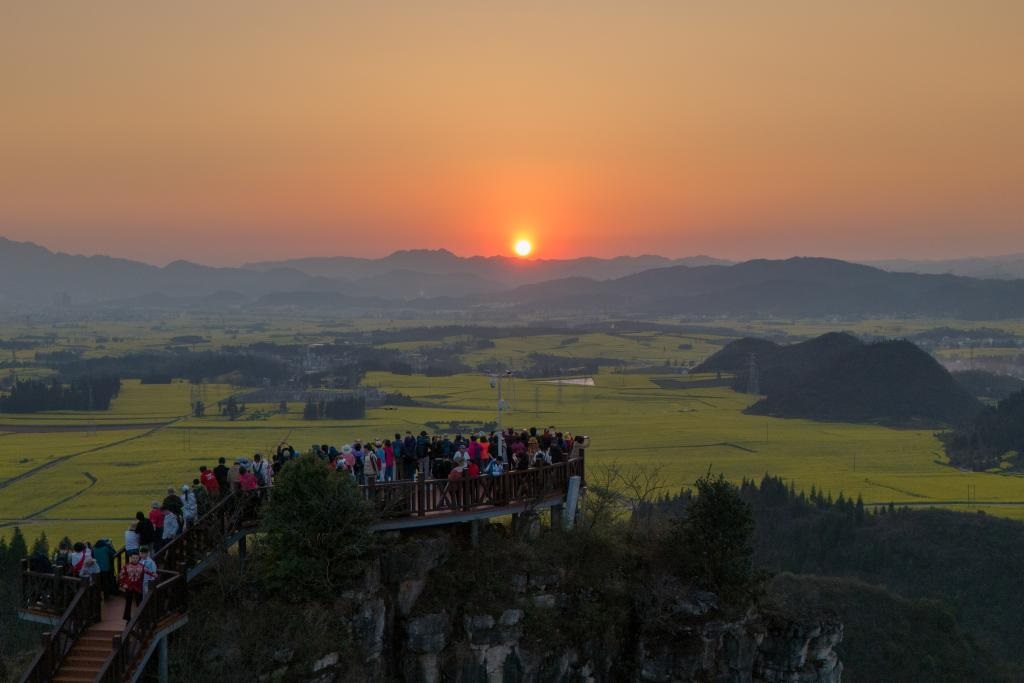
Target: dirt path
{"x": 8, "y": 429}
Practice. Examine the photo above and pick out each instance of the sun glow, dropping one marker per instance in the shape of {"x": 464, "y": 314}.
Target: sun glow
{"x": 523, "y": 248}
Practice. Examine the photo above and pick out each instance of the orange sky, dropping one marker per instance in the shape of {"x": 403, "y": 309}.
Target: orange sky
{"x": 231, "y": 131}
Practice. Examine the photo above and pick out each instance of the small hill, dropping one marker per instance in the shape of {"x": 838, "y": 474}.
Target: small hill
{"x": 994, "y": 439}
{"x": 988, "y": 384}
{"x": 837, "y": 377}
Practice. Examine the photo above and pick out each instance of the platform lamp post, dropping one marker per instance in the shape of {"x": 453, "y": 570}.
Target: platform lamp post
{"x": 496, "y": 380}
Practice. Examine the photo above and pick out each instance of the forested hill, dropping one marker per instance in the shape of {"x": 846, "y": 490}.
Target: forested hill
{"x": 994, "y": 439}
{"x": 837, "y": 377}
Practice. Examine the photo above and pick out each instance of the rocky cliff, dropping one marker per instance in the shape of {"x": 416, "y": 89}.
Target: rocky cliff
{"x": 407, "y": 621}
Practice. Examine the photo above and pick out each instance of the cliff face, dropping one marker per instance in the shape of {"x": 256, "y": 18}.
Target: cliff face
{"x": 406, "y": 628}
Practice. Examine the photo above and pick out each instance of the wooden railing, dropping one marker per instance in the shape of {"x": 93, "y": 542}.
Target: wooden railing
{"x": 48, "y": 592}
{"x": 206, "y": 535}
{"x": 422, "y": 497}
{"x": 167, "y": 597}
{"x": 83, "y": 610}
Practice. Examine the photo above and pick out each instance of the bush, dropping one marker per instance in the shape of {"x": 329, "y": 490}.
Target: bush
{"x": 315, "y": 531}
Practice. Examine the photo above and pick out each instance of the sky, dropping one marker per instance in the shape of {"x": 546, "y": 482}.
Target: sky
{"x": 231, "y": 131}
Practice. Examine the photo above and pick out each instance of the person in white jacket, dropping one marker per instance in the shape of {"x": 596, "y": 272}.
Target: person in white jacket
{"x": 171, "y": 526}
{"x": 189, "y": 505}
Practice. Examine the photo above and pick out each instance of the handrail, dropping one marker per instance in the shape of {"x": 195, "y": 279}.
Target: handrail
{"x": 48, "y": 591}
{"x": 164, "y": 598}
{"x": 420, "y": 497}
{"x": 83, "y": 611}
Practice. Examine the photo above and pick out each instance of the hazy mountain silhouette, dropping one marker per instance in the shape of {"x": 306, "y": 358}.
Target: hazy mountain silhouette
{"x": 793, "y": 287}
{"x": 1007, "y": 267}
{"x": 32, "y": 276}
{"x": 503, "y": 270}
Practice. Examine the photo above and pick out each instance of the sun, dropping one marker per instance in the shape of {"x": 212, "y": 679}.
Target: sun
{"x": 523, "y": 248}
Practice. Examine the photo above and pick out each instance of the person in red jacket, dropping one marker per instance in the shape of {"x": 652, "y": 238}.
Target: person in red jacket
{"x": 130, "y": 581}
{"x": 209, "y": 481}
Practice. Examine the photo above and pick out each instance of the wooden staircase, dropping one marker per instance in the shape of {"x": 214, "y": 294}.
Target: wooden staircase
{"x": 86, "y": 658}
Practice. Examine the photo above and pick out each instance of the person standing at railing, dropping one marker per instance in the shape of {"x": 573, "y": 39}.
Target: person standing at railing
{"x": 146, "y": 531}
{"x": 156, "y": 518}
{"x": 130, "y": 582}
{"x": 220, "y": 473}
{"x": 208, "y": 478}
{"x": 389, "y": 461}
{"x": 189, "y": 506}
{"x": 132, "y": 540}
{"x": 202, "y": 497}
{"x": 172, "y": 525}
{"x": 149, "y": 567}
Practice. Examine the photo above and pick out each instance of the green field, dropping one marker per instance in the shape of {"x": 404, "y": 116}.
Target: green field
{"x": 683, "y": 431}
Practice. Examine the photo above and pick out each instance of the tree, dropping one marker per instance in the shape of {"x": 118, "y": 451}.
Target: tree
{"x": 316, "y": 531}
{"x": 17, "y": 548}
{"x": 42, "y": 545}
{"x": 199, "y": 409}
{"x": 283, "y": 407}
{"x": 231, "y": 408}
{"x": 716, "y": 535}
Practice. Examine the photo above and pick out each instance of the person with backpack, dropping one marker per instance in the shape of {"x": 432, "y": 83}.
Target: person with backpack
{"x": 261, "y": 470}
{"x": 371, "y": 465}
{"x": 79, "y": 554}
{"x": 103, "y": 552}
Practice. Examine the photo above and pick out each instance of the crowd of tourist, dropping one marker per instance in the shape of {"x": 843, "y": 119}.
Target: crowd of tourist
{"x": 444, "y": 457}
{"x": 368, "y": 462}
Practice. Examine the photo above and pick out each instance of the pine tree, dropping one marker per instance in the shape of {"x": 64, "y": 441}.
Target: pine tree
{"x": 18, "y": 549}
{"x": 42, "y": 545}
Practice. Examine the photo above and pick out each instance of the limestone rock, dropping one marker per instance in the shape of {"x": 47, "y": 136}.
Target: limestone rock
{"x": 427, "y": 634}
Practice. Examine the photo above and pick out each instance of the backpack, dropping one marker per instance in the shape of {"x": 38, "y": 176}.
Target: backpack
{"x": 261, "y": 478}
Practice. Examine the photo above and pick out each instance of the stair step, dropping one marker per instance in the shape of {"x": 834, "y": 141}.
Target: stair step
{"x": 80, "y": 659}
{"x": 76, "y": 673}
{"x": 74, "y": 678}
{"x": 105, "y": 632}
{"x": 87, "y": 650}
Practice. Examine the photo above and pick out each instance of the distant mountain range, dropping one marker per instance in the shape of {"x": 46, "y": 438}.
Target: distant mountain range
{"x": 437, "y": 280}
{"x": 796, "y": 287}
{"x": 1008, "y": 267}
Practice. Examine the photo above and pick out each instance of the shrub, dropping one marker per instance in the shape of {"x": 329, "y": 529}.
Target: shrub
{"x": 316, "y": 531}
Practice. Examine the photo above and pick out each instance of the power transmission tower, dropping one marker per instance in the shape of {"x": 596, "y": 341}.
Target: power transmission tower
{"x": 753, "y": 378}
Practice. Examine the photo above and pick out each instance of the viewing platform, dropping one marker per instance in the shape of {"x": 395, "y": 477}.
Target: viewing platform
{"x": 88, "y": 641}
